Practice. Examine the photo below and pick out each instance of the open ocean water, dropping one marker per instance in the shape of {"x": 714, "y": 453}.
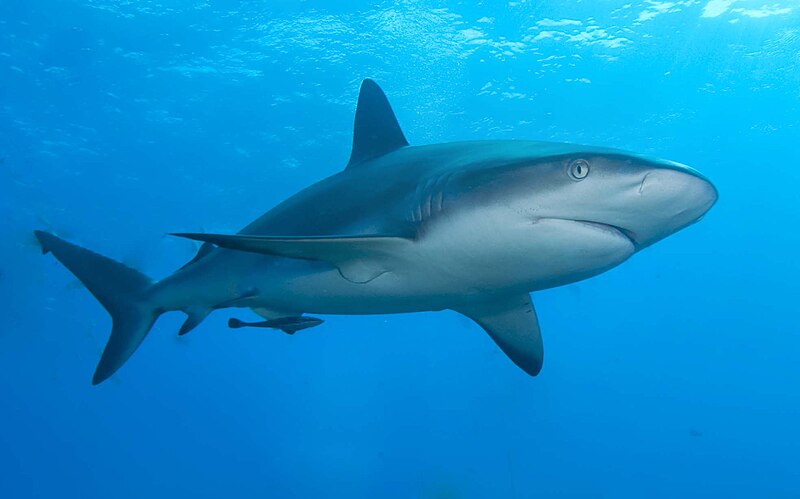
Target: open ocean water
{"x": 673, "y": 375}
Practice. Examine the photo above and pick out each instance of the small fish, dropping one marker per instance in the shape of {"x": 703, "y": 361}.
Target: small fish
{"x": 288, "y": 325}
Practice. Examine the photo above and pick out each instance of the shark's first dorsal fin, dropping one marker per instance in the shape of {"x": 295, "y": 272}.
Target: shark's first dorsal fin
{"x": 376, "y": 131}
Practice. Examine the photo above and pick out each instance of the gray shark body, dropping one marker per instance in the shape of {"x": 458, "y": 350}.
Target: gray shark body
{"x": 472, "y": 227}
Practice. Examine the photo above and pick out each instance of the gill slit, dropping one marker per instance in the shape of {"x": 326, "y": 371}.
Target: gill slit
{"x": 429, "y": 198}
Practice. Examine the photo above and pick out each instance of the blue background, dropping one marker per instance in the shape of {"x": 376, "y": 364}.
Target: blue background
{"x": 675, "y": 374}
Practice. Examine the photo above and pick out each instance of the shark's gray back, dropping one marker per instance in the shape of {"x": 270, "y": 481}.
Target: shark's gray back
{"x": 376, "y": 196}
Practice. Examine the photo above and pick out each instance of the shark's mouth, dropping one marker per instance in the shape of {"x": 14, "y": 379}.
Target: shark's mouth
{"x": 627, "y": 234}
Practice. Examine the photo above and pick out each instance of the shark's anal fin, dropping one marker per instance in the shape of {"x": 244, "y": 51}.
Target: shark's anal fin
{"x": 288, "y": 325}
{"x": 194, "y": 317}
{"x": 512, "y": 323}
{"x": 375, "y": 131}
{"x": 359, "y": 259}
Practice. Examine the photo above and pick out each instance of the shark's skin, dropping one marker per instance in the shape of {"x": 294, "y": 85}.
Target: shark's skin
{"x": 468, "y": 226}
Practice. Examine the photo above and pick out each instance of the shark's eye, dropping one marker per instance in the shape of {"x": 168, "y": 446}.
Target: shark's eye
{"x": 579, "y": 169}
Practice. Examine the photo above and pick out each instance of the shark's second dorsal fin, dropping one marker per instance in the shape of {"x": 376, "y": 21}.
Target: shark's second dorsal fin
{"x": 376, "y": 131}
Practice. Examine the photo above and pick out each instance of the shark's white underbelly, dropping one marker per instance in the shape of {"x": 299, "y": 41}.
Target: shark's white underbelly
{"x": 455, "y": 261}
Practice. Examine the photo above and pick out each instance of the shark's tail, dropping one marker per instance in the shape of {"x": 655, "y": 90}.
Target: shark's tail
{"x": 120, "y": 289}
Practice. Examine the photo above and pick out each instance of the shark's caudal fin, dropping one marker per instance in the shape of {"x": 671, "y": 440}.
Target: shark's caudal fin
{"x": 120, "y": 289}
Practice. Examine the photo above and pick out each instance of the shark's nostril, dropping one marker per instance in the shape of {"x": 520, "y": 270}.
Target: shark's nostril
{"x": 644, "y": 179}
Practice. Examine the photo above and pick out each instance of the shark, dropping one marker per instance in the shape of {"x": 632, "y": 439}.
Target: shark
{"x": 474, "y": 227}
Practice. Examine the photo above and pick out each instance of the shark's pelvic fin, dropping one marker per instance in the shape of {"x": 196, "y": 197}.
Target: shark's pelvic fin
{"x": 376, "y": 131}
{"x": 120, "y": 289}
{"x": 359, "y": 259}
{"x": 513, "y": 325}
{"x": 269, "y": 314}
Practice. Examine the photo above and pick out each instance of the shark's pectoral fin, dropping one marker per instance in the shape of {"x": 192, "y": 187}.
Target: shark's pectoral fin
{"x": 513, "y": 325}
{"x": 359, "y": 259}
{"x": 361, "y": 271}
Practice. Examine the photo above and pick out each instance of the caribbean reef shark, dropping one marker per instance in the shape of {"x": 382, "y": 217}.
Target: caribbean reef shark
{"x": 472, "y": 227}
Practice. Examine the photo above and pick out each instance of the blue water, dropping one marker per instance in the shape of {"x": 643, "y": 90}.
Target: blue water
{"x": 674, "y": 375}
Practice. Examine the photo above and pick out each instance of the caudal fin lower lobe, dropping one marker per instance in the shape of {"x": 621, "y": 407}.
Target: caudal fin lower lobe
{"x": 120, "y": 289}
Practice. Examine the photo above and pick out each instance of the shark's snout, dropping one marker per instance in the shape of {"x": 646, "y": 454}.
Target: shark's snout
{"x": 671, "y": 199}
{"x": 685, "y": 191}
